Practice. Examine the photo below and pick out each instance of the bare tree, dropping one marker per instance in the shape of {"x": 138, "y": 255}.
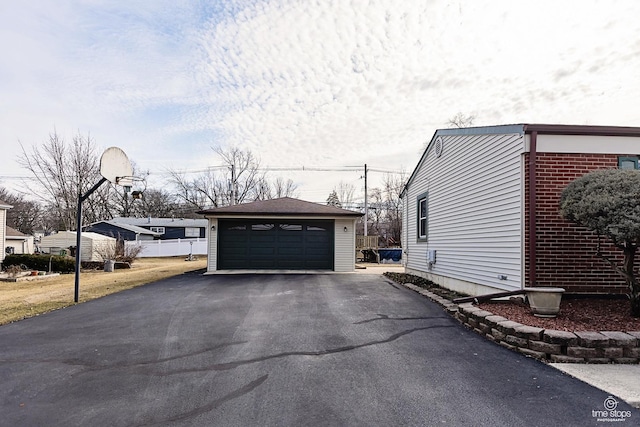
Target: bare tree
{"x": 60, "y": 172}
{"x": 461, "y": 120}
{"x": 392, "y": 186}
{"x": 26, "y": 215}
{"x": 345, "y": 192}
{"x": 156, "y": 203}
{"x": 284, "y": 188}
{"x": 385, "y": 209}
{"x": 266, "y": 189}
{"x": 237, "y": 180}
{"x": 199, "y": 192}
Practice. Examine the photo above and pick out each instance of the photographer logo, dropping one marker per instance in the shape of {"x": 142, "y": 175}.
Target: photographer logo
{"x": 610, "y": 413}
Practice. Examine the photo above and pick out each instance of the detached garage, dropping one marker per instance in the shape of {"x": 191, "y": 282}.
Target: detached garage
{"x": 281, "y": 234}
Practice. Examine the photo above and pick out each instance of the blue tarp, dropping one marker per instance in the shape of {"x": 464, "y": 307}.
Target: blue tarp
{"x": 394, "y": 255}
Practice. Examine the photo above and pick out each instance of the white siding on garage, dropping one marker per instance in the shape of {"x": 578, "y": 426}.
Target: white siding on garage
{"x": 212, "y": 257}
{"x": 344, "y": 242}
{"x": 475, "y": 211}
{"x": 345, "y": 246}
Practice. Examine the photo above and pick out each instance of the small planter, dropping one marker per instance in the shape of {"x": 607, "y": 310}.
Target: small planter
{"x": 34, "y": 273}
{"x": 544, "y": 302}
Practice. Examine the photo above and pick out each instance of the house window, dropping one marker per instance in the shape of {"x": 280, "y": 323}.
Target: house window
{"x": 628, "y": 162}
{"x": 157, "y": 229}
{"x": 423, "y": 216}
{"x": 191, "y": 232}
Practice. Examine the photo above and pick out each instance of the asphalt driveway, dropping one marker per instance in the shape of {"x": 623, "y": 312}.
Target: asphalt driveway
{"x": 275, "y": 350}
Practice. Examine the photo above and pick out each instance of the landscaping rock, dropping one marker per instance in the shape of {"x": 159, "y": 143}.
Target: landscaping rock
{"x": 592, "y": 339}
{"x": 620, "y": 339}
{"x": 552, "y": 336}
{"x": 545, "y": 347}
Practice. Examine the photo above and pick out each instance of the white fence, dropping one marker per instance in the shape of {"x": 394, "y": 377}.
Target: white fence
{"x": 173, "y": 247}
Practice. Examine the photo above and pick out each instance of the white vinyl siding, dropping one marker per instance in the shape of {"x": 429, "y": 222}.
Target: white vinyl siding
{"x": 345, "y": 246}
{"x": 93, "y": 245}
{"x": 212, "y": 253}
{"x": 3, "y": 229}
{"x": 474, "y": 210}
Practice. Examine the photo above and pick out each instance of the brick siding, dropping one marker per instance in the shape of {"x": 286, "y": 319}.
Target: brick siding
{"x": 565, "y": 253}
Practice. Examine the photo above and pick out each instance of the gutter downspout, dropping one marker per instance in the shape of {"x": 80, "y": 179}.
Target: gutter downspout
{"x": 532, "y": 208}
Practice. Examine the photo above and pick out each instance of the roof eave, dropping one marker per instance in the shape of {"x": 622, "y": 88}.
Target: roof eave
{"x": 582, "y": 130}
{"x": 279, "y": 214}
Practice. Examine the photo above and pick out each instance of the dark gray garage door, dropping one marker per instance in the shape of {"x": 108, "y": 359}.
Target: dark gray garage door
{"x": 275, "y": 245}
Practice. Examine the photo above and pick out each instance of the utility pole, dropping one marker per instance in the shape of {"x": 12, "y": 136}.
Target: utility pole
{"x": 233, "y": 184}
{"x": 366, "y": 202}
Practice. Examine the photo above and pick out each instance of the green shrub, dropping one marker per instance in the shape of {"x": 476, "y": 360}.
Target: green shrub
{"x": 59, "y": 264}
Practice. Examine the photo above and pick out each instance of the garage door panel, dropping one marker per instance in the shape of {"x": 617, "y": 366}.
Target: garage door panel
{"x": 290, "y": 241}
{"x": 266, "y": 251}
{"x": 263, "y": 241}
{"x": 259, "y": 244}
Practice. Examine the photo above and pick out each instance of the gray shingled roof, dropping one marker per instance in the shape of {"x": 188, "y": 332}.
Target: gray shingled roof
{"x": 129, "y": 227}
{"x": 282, "y": 206}
{"x": 12, "y": 232}
{"x": 161, "y": 222}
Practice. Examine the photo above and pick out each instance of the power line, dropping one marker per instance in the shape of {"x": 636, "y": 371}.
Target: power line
{"x": 294, "y": 169}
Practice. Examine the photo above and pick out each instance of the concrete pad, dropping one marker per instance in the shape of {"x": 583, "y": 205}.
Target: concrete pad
{"x": 367, "y": 268}
{"x": 361, "y": 268}
{"x": 618, "y": 380}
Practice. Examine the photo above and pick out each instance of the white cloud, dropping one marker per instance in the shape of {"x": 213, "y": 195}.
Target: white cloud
{"x": 309, "y": 83}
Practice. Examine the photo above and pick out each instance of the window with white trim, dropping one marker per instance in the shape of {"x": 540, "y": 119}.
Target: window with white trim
{"x": 423, "y": 216}
{"x": 191, "y": 232}
{"x": 157, "y": 229}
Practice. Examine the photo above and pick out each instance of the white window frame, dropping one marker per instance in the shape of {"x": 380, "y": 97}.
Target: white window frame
{"x": 422, "y": 230}
{"x": 157, "y": 229}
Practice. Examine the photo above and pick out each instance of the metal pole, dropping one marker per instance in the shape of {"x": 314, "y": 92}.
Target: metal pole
{"x": 366, "y": 202}
{"x": 233, "y": 184}
{"x": 81, "y": 198}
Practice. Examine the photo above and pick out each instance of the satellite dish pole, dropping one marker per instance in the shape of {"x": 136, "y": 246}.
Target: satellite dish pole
{"x": 116, "y": 168}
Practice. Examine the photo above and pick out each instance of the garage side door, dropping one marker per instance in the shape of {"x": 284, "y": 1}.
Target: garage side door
{"x": 275, "y": 245}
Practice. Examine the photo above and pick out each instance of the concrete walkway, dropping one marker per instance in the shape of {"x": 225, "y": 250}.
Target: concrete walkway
{"x": 622, "y": 381}
{"x": 368, "y": 268}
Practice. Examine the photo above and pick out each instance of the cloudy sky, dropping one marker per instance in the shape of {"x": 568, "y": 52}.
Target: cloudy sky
{"x": 319, "y": 84}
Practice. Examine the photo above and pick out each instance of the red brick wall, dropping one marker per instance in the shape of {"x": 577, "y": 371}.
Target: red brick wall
{"x": 566, "y": 254}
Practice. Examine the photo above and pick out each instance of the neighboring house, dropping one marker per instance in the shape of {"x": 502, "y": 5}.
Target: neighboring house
{"x": 93, "y": 245}
{"x": 3, "y": 225}
{"x": 18, "y": 242}
{"x": 169, "y": 228}
{"x": 281, "y": 234}
{"x": 122, "y": 231}
{"x": 482, "y": 213}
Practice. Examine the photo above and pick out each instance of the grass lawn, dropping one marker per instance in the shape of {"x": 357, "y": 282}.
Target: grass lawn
{"x": 19, "y": 300}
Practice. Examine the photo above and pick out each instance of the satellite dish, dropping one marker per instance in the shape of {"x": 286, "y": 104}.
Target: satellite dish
{"x": 116, "y": 167}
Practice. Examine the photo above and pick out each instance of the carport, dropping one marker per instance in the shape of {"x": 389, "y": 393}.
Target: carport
{"x": 281, "y": 234}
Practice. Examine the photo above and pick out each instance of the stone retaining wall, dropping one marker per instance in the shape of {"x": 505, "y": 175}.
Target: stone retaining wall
{"x": 544, "y": 344}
